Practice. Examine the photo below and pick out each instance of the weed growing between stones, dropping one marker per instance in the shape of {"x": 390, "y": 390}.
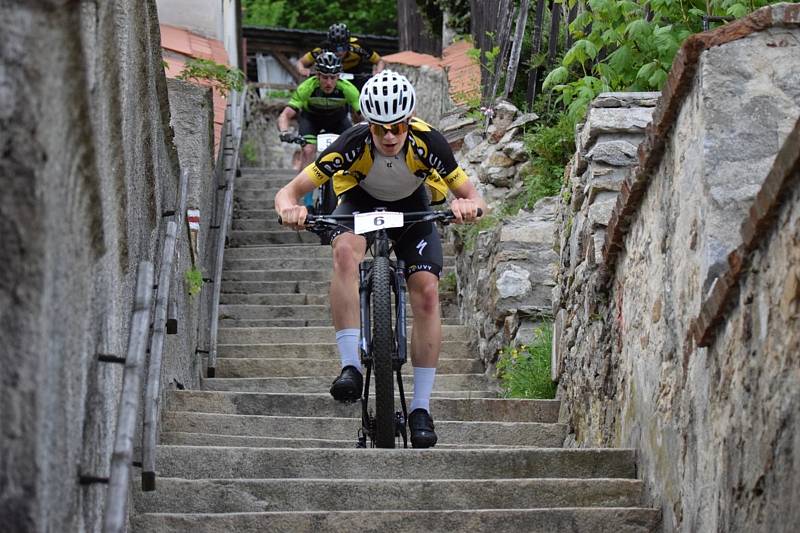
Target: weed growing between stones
{"x": 550, "y": 147}
{"x": 447, "y": 283}
{"x": 524, "y": 371}
{"x": 249, "y": 152}
{"x": 194, "y": 281}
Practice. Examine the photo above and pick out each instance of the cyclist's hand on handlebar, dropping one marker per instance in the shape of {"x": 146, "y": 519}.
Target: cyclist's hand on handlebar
{"x": 294, "y": 216}
{"x": 464, "y": 210}
{"x": 286, "y": 137}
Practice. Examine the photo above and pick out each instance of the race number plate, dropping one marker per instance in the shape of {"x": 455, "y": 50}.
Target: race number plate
{"x": 366, "y": 222}
{"x": 324, "y": 140}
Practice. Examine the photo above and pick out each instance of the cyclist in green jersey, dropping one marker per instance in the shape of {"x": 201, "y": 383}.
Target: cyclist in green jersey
{"x": 320, "y": 103}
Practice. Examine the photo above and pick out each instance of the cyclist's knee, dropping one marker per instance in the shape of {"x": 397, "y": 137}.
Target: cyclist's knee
{"x": 310, "y": 151}
{"x": 348, "y": 250}
{"x": 424, "y": 288}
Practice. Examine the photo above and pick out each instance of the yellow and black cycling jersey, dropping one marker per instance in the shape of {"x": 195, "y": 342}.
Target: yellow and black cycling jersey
{"x": 427, "y": 154}
{"x": 357, "y": 58}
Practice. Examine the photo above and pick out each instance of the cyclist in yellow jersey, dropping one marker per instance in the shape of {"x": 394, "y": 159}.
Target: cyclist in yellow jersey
{"x": 403, "y": 164}
{"x": 357, "y": 60}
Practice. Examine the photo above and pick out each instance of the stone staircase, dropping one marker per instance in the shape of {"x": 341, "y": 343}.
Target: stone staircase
{"x": 263, "y": 447}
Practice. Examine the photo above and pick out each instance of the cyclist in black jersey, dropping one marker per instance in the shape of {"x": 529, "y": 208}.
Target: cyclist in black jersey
{"x": 403, "y": 164}
{"x": 322, "y": 102}
{"x": 357, "y": 60}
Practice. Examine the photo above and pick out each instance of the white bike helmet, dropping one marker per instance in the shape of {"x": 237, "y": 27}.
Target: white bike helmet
{"x": 387, "y": 98}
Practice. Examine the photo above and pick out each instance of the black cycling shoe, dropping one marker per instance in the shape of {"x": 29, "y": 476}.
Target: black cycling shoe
{"x": 347, "y": 387}
{"x": 420, "y": 422}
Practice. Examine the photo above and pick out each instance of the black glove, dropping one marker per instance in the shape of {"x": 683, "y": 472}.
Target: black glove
{"x": 286, "y": 137}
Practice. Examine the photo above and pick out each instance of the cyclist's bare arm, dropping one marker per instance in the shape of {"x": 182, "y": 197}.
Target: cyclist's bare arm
{"x": 287, "y": 201}
{"x": 379, "y": 66}
{"x": 304, "y": 67}
{"x": 466, "y": 203}
{"x": 285, "y": 117}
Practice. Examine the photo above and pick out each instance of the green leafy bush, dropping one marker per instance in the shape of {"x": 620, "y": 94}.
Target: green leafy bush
{"x": 629, "y": 45}
{"x": 524, "y": 371}
{"x": 469, "y": 232}
{"x": 221, "y": 77}
{"x": 550, "y": 148}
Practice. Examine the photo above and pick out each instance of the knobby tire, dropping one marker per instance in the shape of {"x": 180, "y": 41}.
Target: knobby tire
{"x": 382, "y": 348}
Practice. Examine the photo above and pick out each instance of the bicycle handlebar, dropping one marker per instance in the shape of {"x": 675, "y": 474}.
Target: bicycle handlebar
{"x": 411, "y": 217}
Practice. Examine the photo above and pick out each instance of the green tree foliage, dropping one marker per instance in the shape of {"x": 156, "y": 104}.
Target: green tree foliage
{"x": 377, "y": 17}
{"x": 629, "y": 45}
{"x": 459, "y": 11}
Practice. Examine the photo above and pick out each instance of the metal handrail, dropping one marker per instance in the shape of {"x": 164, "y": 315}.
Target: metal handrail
{"x": 116, "y": 516}
{"x": 152, "y": 397}
{"x": 230, "y": 164}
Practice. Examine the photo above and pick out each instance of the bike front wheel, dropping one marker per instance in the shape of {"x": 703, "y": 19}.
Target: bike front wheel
{"x": 382, "y": 348}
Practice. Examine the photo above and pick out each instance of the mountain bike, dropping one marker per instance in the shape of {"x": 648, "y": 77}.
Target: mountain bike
{"x": 383, "y": 341}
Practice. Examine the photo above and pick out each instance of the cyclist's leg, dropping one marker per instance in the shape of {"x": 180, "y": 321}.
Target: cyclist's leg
{"x": 348, "y": 251}
{"x": 308, "y": 130}
{"x": 421, "y": 249}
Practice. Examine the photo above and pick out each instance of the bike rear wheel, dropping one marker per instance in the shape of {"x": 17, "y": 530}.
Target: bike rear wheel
{"x": 382, "y": 348}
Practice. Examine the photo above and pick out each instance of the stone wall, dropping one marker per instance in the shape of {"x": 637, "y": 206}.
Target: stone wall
{"x": 676, "y": 331}
{"x": 505, "y": 278}
{"x": 88, "y": 165}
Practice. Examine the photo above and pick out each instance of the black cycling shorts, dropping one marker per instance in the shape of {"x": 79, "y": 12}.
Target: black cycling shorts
{"x": 420, "y": 247}
{"x": 310, "y": 125}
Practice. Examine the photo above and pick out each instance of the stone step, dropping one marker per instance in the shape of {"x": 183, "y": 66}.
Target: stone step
{"x": 266, "y": 213}
{"x": 249, "y": 205}
{"x": 238, "y": 441}
{"x": 260, "y": 367}
{"x": 272, "y": 299}
{"x": 266, "y": 171}
{"x": 277, "y": 262}
{"x": 306, "y": 251}
{"x": 252, "y": 193}
{"x": 275, "y": 287}
{"x": 574, "y": 520}
{"x": 295, "y": 322}
{"x": 265, "y": 495}
{"x": 285, "y": 310}
{"x": 281, "y": 236}
{"x": 321, "y": 404}
{"x": 310, "y": 334}
{"x": 253, "y": 224}
{"x": 323, "y": 274}
{"x": 300, "y": 299}
{"x": 319, "y": 427}
{"x": 269, "y": 181}
{"x": 198, "y": 462}
{"x": 445, "y": 382}
{"x": 450, "y": 350}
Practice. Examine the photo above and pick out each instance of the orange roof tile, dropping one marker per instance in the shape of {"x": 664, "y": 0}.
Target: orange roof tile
{"x": 463, "y": 73}
{"x": 186, "y": 45}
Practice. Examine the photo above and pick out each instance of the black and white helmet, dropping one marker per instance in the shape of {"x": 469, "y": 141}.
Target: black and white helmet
{"x": 328, "y": 63}
{"x": 338, "y": 34}
{"x": 387, "y": 98}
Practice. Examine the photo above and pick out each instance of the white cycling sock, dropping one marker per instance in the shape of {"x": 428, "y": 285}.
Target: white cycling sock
{"x": 423, "y": 386}
{"x": 347, "y": 340}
